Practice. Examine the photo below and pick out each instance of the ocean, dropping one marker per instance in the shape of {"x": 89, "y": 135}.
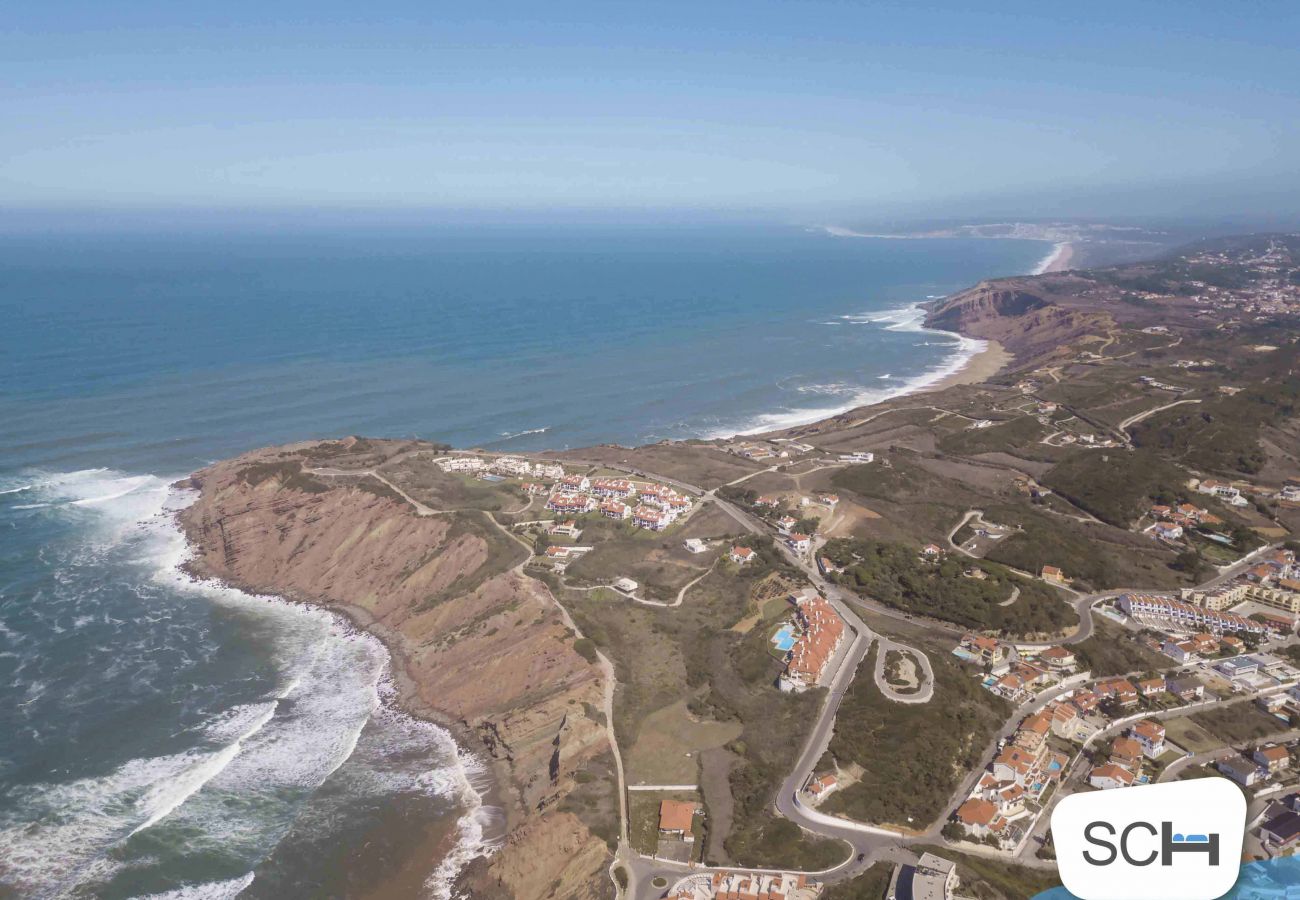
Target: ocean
{"x": 163, "y": 738}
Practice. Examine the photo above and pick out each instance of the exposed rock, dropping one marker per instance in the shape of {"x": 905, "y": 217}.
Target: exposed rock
{"x": 476, "y": 644}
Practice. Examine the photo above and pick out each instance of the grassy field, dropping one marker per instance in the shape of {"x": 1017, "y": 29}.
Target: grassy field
{"x": 1238, "y": 723}
{"x": 870, "y": 885}
{"x": 728, "y": 681}
{"x": 419, "y": 477}
{"x": 670, "y": 741}
{"x": 1187, "y": 734}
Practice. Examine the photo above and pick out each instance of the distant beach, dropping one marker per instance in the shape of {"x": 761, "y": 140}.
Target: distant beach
{"x": 1059, "y": 260}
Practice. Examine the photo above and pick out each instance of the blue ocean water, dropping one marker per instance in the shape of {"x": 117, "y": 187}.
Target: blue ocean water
{"x": 161, "y": 738}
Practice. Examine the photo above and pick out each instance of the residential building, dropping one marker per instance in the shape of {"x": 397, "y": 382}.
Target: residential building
{"x": 695, "y": 545}
{"x": 981, "y": 818}
{"x": 932, "y": 878}
{"x": 820, "y": 786}
{"x": 822, "y": 634}
{"x": 460, "y": 464}
{"x": 1244, "y": 771}
{"x": 1151, "y": 687}
{"x": 1126, "y": 752}
{"x": 799, "y": 543}
{"x": 1058, "y": 658}
{"x": 653, "y": 519}
{"x": 1282, "y": 831}
{"x": 1054, "y": 575}
{"x": 1186, "y": 688}
{"x": 571, "y": 503}
{"x": 1180, "y": 616}
{"x": 1119, "y": 689}
{"x": 1151, "y": 735}
{"x": 1109, "y": 775}
{"x": 614, "y": 509}
{"x": 676, "y": 818}
{"x": 617, "y": 488}
{"x": 573, "y": 484}
{"x": 1273, "y": 757}
{"x": 1167, "y": 531}
{"x": 741, "y": 555}
{"x": 986, "y": 649}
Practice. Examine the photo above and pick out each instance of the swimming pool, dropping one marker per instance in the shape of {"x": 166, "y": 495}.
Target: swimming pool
{"x": 784, "y": 639}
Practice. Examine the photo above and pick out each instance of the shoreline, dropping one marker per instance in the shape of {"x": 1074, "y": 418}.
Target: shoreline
{"x": 477, "y": 803}
{"x": 485, "y": 816}
{"x": 980, "y": 367}
{"x": 1059, "y": 260}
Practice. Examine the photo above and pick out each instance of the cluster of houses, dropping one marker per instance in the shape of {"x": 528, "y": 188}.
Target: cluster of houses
{"x": 1016, "y": 676}
{"x": 759, "y": 451}
{"x": 1019, "y": 775}
{"x": 1224, "y": 491}
{"x": 1145, "y": 740}
{"x": 821, "y": 633}
{"x": 1171, "y": 522}
{"x": 1256, "y": 766}
{"x": 657, "y": 505}
{"x": 745, "y": 886}
{"x": 507, "y": 466}
{"x": 1273, "y": 582}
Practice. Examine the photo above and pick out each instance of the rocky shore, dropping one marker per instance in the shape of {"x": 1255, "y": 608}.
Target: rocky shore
{"x": 477, "y": 646}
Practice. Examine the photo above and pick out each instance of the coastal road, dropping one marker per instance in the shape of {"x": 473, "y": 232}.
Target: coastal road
{"x": 1133, "y": 420}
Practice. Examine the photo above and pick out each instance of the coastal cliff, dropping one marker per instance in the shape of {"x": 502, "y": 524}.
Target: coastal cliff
{"x": 1020, "y": 315}
{"x": 476, "y": 645}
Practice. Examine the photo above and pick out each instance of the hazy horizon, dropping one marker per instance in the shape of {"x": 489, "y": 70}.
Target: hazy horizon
{"x": 814, "y": 111}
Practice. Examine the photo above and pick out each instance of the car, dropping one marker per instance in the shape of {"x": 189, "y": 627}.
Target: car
{"x": 861, "y": 857}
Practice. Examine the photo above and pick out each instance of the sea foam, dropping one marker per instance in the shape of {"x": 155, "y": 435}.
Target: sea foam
{"x": 251, "y": 757}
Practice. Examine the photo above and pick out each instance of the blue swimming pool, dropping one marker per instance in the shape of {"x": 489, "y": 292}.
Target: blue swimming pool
{"x": 785, "y": 638}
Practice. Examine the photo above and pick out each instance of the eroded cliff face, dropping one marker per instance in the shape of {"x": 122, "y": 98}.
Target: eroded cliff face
{"x": 476, "y": 644}
{"x": 1026, "y": 323}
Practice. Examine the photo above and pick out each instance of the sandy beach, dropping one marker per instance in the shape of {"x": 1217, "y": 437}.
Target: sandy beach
{"x": 1062, "y": 258}
{"x": 980, "y": 367}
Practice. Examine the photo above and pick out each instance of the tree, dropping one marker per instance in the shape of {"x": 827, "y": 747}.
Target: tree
{"x": 1191, "y": 562}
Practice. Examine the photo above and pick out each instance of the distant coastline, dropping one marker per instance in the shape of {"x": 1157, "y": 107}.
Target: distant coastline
{"x": 1058, "y": 260}
{"x": 974, "y": 361}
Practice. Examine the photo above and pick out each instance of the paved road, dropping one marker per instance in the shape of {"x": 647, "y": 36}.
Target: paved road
{"x": 926, "y": 690}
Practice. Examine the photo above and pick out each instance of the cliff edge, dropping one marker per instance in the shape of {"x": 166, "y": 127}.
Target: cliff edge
{"x": 476, "y": 645}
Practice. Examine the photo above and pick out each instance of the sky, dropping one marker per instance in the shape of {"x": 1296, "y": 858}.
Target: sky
{"x": 801, "y": 108}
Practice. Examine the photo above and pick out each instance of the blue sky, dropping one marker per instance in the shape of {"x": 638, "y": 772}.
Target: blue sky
{"x": 800, "y": 107}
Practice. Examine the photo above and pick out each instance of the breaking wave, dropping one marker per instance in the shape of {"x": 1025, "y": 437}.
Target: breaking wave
{"x": 234, "y": 784}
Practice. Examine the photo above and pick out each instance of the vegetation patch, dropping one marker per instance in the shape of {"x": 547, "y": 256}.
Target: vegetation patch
{"x": 1238, "y": 723}
{"x": 1117, "y": 487}
{"x": 1110, "y": 650}
{"x": 895, "y": 574}
{"x": 912, "y": 755}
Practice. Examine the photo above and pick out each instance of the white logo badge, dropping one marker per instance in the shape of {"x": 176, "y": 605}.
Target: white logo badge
{"x": 1177, "y": 841}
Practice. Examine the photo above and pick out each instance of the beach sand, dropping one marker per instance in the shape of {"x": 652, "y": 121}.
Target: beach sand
{"x": 1061, "y": 260}
{"x": 980, "y": 367}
